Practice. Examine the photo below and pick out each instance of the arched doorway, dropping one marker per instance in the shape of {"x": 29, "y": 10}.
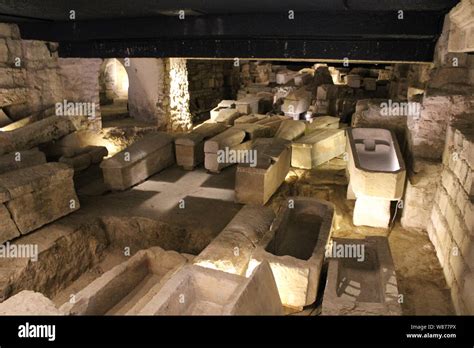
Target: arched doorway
{"x": 113, "y": 90}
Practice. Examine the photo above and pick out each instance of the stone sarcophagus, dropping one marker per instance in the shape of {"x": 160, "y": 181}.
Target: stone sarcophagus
{"x": 129, "y": 286}
{"x": 361, "y": 278}
{"x": 318, "y": 147}
{"x": 255, "y": 184}
{"x": 189, "y": 148}
{"x": 196, "y": 290}
{"x": 376, "y": 172}
{"x": 295, "y": 249}
{"x": 34, "y": 196}
{"x": 232, "y": 249}
{"x": 142, "y": 159}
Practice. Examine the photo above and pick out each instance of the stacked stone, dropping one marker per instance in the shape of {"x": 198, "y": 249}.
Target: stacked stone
{"x": 29, "y": 80}
{"x": 451, "y": 225}
{"x": 210, "y": 82}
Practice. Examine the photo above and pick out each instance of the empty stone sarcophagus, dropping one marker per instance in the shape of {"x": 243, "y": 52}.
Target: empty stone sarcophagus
{"x": 361, "y": 278}
{"x": 295, "y": 249}
{"x": 255, "y": 184}
{"x": 190, "y": 147}
{"x": 376, "y": 172}
{"x": 142, "y": 159}
{"x": 196, "y": 290}
{"x": 129, "y": 286}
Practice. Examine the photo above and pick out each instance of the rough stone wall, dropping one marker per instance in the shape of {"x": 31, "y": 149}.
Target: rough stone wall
{"x": 29, "y": 80}
{"x": 177, "y": 87}
{"x": 210, "y": 82}
{"x": 451, "y": 224}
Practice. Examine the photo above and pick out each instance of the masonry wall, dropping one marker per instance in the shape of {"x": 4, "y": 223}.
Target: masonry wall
{"x": 29, "y": 81}
{"x": 210, "y": 81}
{"x": 451, "y": 224}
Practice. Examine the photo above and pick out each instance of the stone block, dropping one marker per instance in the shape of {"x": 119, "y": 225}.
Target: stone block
{"x": 321, "y": 122}
{"x": 78, "y": 163}
{"x": 467, "y": 291}
{"x": 285, "y": 76}
{"x": 371, "y": 211}
{"x": 318, "y": 147}
{"x": 248, "y": 105}
{"x": 353, "y": 80}
{"x": 8, "y": 229}
{"x": 21, "y": 159}
{"x": 142, "y": 159}
{"x": 370, "y": 84}
{"x": 295, "y": 249}
{"x": 227, "y": 116}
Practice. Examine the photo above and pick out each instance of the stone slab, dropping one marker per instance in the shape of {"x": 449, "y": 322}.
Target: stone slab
{"x": 371, "y": 211}
{"x": 21, "y": 159}
{"x": 290, "y": 129}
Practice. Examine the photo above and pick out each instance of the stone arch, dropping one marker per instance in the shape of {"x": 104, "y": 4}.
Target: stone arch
{"x": 113, "y": 81}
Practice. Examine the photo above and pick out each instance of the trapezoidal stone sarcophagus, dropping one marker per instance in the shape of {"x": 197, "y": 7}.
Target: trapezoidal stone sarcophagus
{"x": 129, "y": 286}
{"x": 142, "y": 159}
{"x": 196, "y": 290}
{"x": 361, "y": 278}
{"x": 376, "y": 171}
{"x": 295, "y": 249}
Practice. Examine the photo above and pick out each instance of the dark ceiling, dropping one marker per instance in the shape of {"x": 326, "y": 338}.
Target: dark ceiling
{"x": 321, "y": 29}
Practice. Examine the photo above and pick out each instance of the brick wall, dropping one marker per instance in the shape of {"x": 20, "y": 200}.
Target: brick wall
{"x": 451, "y": 224}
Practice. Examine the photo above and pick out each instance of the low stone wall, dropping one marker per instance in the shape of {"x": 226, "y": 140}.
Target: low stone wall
{"x": 451, "y": 225}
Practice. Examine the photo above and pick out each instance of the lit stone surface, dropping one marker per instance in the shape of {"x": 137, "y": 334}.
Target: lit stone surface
{"x": 371, "y": 211}
{"x": 231, "y": 250}
{"x": 196, "y": 290}
{"x": 318, "y": 147}
{"x": 295, "y": 249}
{"x": 290, "y": 130}
{"x": 367, "y": 287}
{"x": 139, "y": 161}
{"x": 321, "y": 122}
{"x": 29, "y": 303}
{"x": 8, "y": 229}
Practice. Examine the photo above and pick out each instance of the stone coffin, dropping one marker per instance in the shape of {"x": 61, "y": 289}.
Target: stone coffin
{"x": 321, "y": 122}
{"x": 29, "y": 302}
{"x": 361, "y": 286}
{"x": 21, "y": 159}
{"x": 142, "y": 159}
{"x": 82, "y": 158}
{"x": 255, "y": 185}
{"x": 290, "y": 129}
{"x": 196, "y": 290}
{"x": 129, "y": 286}
{"x": 35, "y": 196}
{"x": 190, "y": 147}
{"x": 223, "y": 104}
{"x": 248, "y": 105}
{"x": 295, "y": 249}
{"x": 296, "y": 103}
{"x": 231, "y": 139}
{"x": 318, "y": 147}
{"x": 232, "y": 249}
{"x": 227, "y": 116}
{"x": 252, "y": 118}
{"x": 376, "y": 166}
